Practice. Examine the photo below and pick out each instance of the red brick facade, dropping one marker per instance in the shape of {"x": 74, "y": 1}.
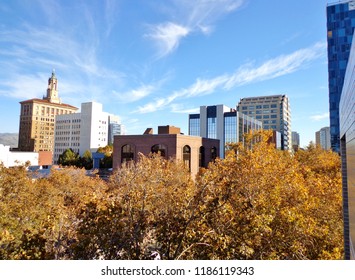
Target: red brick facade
{"x": 195, "y": 151}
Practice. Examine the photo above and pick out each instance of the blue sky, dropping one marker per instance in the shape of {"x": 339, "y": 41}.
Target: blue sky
{"x": 152, "y": 62}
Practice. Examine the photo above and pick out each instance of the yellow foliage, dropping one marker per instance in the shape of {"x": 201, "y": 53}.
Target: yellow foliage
{"x": 257, "y": 203}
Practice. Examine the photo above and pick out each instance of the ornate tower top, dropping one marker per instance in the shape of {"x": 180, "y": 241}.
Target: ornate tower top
{"x": 52, "y": 91}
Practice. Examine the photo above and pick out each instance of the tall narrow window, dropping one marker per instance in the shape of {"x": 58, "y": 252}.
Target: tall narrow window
{"x": 186, "y": 156}
{"x": 202, "y": 157}
{"x": 213, "y": 153}
{"x": 127, "y": 153}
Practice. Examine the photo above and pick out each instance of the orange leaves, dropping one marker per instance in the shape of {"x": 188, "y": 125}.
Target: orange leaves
{"x": 257, "y": 203}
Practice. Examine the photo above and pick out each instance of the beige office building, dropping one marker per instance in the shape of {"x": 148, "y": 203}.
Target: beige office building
{"x": 273, "y": 111}
{"x": 37, "y": 119}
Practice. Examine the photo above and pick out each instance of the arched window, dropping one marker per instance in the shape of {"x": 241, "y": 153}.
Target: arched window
{"x": 186, "y": 156}
{"x": 213, "y": 153}
{"x": 202, "y": 157}
{"x": 127, "y": 153}
{"x": 159, "y": 148}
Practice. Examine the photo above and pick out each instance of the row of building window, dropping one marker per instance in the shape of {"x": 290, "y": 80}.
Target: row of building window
{"x": 70, "y": 121}
{"x": 127, "y": 154}
{"x": 252, "y": 107}
{"x": 27, "y": 110}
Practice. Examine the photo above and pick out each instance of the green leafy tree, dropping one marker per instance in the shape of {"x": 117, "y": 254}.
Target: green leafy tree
{"x": 86, "y": 160}
{"x": 68, "y": 158}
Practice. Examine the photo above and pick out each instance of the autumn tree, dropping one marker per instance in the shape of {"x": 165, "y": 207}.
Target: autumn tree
{"x": 39, "y": 217}
{"x": 106, "y": 162}
{"x": 262, "y": 203}
{"x": 257, "y": 203}
{"x": 151, "y": 209}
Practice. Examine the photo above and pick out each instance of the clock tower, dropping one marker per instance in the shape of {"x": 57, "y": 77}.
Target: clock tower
{"x": 52, "y": 90}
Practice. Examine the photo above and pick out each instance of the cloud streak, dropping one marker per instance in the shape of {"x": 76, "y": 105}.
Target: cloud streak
{"x": 320, "y": 117}
{"x": 246, "y": 74}
{"x": 196, "y": 16}
{"x": 167, "y": 36}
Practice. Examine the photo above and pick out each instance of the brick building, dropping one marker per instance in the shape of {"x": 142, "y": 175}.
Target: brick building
{"x": 194, "y": 151}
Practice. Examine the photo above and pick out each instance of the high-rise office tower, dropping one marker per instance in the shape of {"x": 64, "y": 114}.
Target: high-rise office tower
{"x": 295, "y": 140}
{"x": 36, "y": 132}
{"x": 340, "y": 29}
{"x": 273, "y": 111}
{"x": 323, "y": 138}
{"x": 223, "y": 123}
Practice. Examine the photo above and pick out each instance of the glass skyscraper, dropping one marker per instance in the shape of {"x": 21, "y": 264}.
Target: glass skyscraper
{"x": 340, "y": 29}
{"x": 223, "y": 123}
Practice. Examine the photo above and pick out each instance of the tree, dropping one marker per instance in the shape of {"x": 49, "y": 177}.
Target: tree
{"x": 106, "y": 162}
{"x": 86, "y": 160}
{"x": 257, "y": 203}
{"x": 151, "y": 209}
{"x": 68, "y": 158}
{"x": 39, "y": 217}
{"x": 262, "y": 203}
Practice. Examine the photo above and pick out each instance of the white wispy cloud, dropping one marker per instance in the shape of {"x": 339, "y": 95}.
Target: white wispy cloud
{"x": 188, "y": 17}
{"x": 181, "y": 109}
{"x": 37, "y": 49}
{"x": 320, "y": 117}
{"x": 245, "y": 74}
{"x": 134, "y": 94}
{"x": 167, "y": 36}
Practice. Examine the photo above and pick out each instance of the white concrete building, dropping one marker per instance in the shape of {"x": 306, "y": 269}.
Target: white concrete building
{"x": 87, "y": 130}
{"x": 10, "y": 159}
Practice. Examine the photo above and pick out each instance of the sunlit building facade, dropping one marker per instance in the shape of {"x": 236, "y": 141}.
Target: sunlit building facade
{"x": 195, "y": 152}
{"x": 87, "y": 130}
{"x": 273, "y": 112}
{"x": 295, "y": 140}
{"x": 323, "y": 138}
{"x": 347, "y": 141}
{"x": 37, "y": 119}
{"x": 223, "y": 123}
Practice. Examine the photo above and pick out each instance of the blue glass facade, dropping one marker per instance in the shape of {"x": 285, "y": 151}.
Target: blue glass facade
{"x": 230, "y": 127}
{"x": 194, "y": 124}
{"x": 223, "y": 123}
{"x": 340, "y": 29}
{"x": 212, "y": 122}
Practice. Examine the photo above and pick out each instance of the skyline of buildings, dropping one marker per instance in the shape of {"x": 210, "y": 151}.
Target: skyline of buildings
{"x": 42, "y": 119}
{"x": 340, "y": 29}
{"x": 76, "y": 131}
